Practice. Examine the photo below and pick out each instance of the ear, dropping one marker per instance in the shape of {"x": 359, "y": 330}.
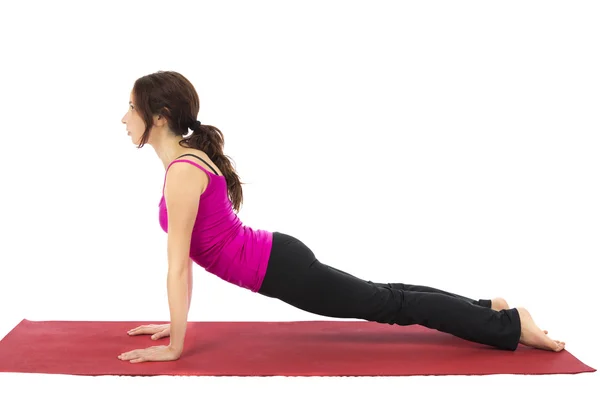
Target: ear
{"x": 159, "y": 120}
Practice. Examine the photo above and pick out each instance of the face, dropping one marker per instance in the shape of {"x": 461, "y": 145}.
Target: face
{"x": 133, "y": 122}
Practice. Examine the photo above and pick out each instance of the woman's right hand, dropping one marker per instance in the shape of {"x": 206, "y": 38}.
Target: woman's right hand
{"x": 157, "y": 331}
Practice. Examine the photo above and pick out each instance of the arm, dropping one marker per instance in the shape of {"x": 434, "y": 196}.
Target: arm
{"x": 190, "y": 283}
{"x": 182, "y": 195}
{"x": 177, "y": 281}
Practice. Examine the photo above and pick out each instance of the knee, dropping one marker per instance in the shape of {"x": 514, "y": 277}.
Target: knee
{"x": 387, "y": 306}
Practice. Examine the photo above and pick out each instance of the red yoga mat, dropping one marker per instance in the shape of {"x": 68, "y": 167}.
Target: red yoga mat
{"x": 303, "y": 348}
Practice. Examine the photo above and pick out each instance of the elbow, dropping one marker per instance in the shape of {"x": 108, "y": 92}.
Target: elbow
{"x": 179, "y": 267}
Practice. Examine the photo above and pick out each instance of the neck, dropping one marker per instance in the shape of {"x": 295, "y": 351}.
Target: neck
{"x": 168, "y": 149}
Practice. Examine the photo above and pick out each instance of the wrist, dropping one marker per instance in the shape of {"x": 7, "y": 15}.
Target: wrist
{"x": 175, "y": 349}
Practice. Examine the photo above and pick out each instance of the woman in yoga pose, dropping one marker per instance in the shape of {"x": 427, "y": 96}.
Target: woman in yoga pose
{"x": 202, "y": 190}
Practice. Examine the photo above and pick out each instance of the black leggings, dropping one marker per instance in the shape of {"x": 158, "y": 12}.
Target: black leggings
{"x": 295, "y": 276}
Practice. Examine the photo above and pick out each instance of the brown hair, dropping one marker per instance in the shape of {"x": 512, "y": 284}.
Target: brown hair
{"x": 171, "y": 95}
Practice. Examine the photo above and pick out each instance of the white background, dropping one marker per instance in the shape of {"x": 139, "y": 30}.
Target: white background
{"x": 448, "y": 144}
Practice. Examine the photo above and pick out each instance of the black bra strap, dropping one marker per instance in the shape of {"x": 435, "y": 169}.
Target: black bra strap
{"x": 193, "y": 155}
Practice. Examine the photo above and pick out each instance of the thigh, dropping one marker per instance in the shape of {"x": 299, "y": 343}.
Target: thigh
{"x": 297, "y": 277}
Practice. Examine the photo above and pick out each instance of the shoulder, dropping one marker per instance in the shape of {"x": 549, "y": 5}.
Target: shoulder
{"x": 183, "y": 178}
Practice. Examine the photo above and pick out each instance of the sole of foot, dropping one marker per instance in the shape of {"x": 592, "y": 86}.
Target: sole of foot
{"x": 533, "y": 336}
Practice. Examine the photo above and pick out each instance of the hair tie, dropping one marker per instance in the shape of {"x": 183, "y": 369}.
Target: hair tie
{"x": 195, "y": 125}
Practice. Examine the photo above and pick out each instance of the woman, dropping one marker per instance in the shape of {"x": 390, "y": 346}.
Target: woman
{"x": 201, "y": 191}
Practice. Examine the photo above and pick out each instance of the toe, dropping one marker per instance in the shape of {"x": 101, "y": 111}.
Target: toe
{"x": 558, "y": 346}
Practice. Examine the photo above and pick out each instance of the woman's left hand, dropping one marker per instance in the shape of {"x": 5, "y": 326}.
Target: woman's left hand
{"x": 154, "y": 353}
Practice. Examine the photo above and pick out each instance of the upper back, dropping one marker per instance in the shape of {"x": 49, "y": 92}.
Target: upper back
{"x": 198, "y": 155}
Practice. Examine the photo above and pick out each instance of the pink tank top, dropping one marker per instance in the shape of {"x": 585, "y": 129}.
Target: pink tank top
{"x": 220, "y": 242}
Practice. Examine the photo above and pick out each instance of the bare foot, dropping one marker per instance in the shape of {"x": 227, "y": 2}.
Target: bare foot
{"x": 533, "y": 336}
{"x": 499, "y": 304}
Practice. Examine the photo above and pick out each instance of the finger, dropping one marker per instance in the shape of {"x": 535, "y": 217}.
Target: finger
{"x": 142, "y": 330}
{"x": 159, "y": 335}
{"x": 138, "y": 360}
{"x": 129, "y": 355}
{"x": 138, "y": 329}
{"x": 134, "y": 330}
{"x": 138, "y": 332}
